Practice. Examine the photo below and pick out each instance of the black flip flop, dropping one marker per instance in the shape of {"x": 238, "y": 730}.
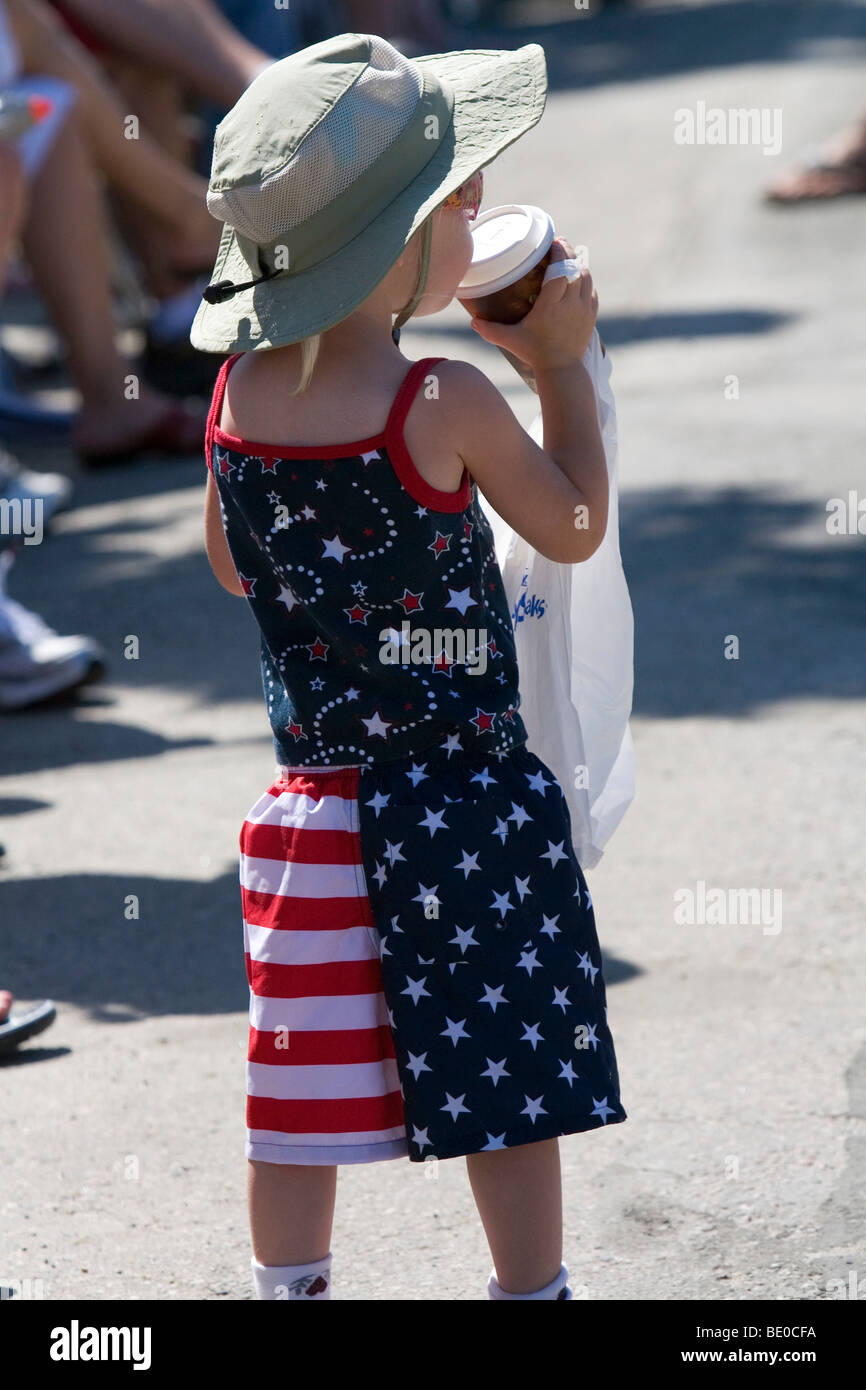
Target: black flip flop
{"x": 26, "y": 1025}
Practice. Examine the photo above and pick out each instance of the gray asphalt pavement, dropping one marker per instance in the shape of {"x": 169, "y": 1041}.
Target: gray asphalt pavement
{"x": 736, "y": 331}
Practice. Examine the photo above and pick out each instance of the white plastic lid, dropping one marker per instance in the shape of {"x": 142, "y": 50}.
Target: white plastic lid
{"x": 507, "y": 242}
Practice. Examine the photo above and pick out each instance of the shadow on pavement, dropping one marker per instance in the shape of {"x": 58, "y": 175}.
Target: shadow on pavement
{"x": 701, "y": 565}
{"x": 705, "y": 566}
{"x": 184, "y": 954}
{"x": 619, "y": 329}
{"x": 630, "y": 44}
{"x": 70, "y": 742}
{"x": 27, "y": 1052}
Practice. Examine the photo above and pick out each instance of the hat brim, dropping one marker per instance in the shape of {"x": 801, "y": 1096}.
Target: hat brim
{"x": 498, "y": 96}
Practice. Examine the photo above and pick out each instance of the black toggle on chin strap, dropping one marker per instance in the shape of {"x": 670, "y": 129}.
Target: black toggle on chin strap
{"x": 226, "y": 289}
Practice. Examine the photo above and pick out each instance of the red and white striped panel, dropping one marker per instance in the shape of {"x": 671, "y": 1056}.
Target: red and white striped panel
{"x": 322, "y": 1079}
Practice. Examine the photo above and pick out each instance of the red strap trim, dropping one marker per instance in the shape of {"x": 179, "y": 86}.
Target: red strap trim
{"x": 216, "y": 406}
{"x": 407, "y": 393}
{"x": 417, "y": 486}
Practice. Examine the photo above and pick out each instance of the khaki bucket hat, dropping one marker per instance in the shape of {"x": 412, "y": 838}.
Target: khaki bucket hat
{"x": 330, "y": 162}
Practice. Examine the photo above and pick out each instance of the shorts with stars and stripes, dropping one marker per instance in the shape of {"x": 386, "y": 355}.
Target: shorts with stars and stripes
{"x": 424, "y": 971}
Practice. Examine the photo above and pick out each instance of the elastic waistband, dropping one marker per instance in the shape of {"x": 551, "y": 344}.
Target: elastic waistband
{"x": 284, "y": 772}
{"x": 439, "y": 758}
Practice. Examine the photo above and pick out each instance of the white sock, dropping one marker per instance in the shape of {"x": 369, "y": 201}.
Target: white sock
{"x": 555, "y": 1290}
{"x": 303, "y": 1282}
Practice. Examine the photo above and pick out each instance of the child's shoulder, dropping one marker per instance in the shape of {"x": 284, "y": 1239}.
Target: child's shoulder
{"x": 461, "y": 385}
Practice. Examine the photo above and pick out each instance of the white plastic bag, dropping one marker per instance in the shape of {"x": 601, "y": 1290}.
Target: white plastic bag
{"x": 574, "y": 630}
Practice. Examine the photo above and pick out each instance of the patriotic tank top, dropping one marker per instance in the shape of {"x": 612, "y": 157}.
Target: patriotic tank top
{"x": 385, "y": 630}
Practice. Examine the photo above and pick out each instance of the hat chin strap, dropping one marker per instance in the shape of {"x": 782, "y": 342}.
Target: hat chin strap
{"x": 420, "y": 288}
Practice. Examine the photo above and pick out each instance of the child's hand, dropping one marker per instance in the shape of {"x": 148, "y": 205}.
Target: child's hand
{"x": 558, "y": 328}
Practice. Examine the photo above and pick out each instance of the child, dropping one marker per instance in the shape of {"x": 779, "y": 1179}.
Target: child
{"x": 425, "y": 975}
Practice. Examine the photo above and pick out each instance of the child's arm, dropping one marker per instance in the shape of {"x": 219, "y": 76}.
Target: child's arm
{"x": 555, "y": 497}
{"x": 215, "y": 541}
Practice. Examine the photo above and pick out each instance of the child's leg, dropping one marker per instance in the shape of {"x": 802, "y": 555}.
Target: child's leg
{"x": 518, "y": 1193}
{"x": 291, "y": 1209}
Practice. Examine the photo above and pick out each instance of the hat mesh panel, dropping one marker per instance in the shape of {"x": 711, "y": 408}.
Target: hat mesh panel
{"x": 365, "y": 122}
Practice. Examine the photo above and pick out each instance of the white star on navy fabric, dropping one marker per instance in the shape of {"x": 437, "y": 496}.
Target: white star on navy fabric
{"x": 376, "y": 725}
{"x": 532, "y": 1034}
{"x": 417, "y": 1064}
{"x": 492, "y": 996}
{"x": 528, "y": 961}
{"x": 567, "y": 1073}
{"x": 537, "y": 782}
{"x": 521, "y": 884}
{"x": 392, "y": 852}
{"x": 381, "y": 874}
{"x": 554, "y": 852}
{"x": 433, "y": 821}
{"x": 494, "y": 1141}
{"x": 495, "y": 1070}
{"x": 455, "y": 1107}
{"x": 502, "y": 902}
{"x": 288, "y": 597}
{"x": 602, "y": 1108}
{"x": 483, "y": 777}
{"x": 417, "y": 774}
{"x": 334, "y": 549}
{"x": 548, "y": 925}
{"x": 454, "y": 1031}
{"x": 378, "y": 800}
{"x": 419, "y": 1137}
{"x": 469, "y": 862}
{"x": 452, "y": 744}
{"x": 461, "y": 599}
{"x": 585, "y": 964}
{"x": 465, "y": 937}
{"x": 415, "y": 988}
{"x": 519, "y": 815}
{"x": 501, "y": 829}
{"x": 533, "y": 1108}
{"x": 560, "y": 997}
{"x": 424, "y": 893}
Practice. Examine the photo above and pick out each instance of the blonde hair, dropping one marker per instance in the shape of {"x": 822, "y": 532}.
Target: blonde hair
{"x": 310, "y": 347}
{"x": 309, "y": 356}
